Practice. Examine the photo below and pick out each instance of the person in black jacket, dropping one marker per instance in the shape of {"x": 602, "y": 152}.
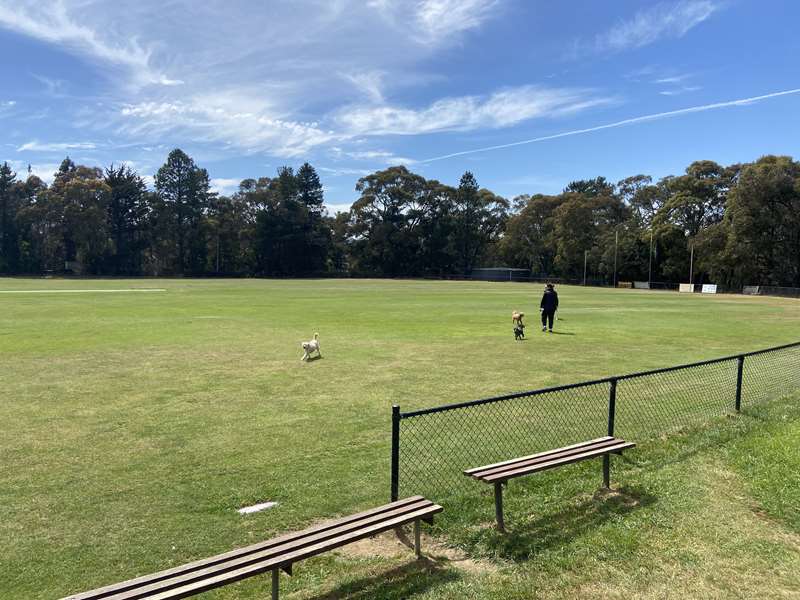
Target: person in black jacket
{"x": 549, "y": 306}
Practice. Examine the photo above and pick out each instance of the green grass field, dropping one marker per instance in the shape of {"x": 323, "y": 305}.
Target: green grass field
{"x": 135, "y": 424}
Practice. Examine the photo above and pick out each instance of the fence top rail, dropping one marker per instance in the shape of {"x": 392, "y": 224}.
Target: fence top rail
{"x": 454, "y": 406}
{"x": 558, "y": 388}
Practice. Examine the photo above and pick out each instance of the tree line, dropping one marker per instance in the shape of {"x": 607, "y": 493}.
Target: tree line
{"x": 741, "y": 223}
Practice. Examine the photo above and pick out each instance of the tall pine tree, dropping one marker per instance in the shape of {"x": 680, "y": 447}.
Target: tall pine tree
{"x": 8, "y": 208}
{"x": 183, "y": 190}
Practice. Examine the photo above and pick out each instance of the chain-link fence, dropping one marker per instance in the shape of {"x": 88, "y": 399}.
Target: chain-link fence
{"x": 432, "y": 447}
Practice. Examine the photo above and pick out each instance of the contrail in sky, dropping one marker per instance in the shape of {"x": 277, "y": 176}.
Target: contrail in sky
{"x": 642, "y": 119}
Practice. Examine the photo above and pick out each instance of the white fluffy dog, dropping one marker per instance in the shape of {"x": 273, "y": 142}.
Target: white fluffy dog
{"x": 310, "y": 347}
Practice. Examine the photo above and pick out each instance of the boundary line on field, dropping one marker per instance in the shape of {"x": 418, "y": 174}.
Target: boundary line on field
{"x": 82, "y": 291}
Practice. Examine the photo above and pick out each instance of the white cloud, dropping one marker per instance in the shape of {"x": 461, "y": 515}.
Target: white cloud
{"x": 338, "y": 207}
{"x": 664, "y": 20}
{"x": 623, "y": 123}
{"x": 441, "y": 18}
{"x": 501, "y": 109}
{"x": 252, "y": 88}
{"x": 368, "y": 83}
{"x": 380, "y": 156}
{"x": 673, "y": 79}
{"x": 434, "y": 22}
{"x": 285, "y": 105}
{"x": 52, "y": 87}
{"x": 50, "y": 22}
{"x": 344, "y": 171}
{"x": 243, "y": 119}
{"x": 681, "y": 90}
{"x": 44, "y": 171}
{"x": 224, "y": 186}
{"x": 36, "y": 146}
{"x": 234, "y": 119}
{"x": 6, "y": 107}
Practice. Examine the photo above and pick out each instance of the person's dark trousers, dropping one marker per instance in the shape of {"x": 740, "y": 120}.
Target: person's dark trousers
{"x": 547, "y": 318}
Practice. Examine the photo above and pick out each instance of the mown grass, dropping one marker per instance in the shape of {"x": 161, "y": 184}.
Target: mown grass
{"x": 137, "y": 423}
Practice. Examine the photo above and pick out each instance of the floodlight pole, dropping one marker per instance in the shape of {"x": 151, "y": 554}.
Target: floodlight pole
{"x": 616, "y": 243}
{"x": 650, "y": 264}
{"x": 691, "y": 264}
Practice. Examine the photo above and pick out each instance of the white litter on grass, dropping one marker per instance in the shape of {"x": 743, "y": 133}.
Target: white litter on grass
{"x": 256, "y": 508}
{"x": 81, "y": 291}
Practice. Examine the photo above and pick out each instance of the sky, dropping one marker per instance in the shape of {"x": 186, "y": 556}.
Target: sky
{"x": 526, "y": 94}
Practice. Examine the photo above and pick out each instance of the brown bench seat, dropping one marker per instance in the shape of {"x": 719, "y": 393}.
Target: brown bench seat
{"x": 499, "y": 473}
{"x": 276, "y": 554}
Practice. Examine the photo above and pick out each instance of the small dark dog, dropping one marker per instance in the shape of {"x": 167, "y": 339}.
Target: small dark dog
{"x": 519, "y": 326}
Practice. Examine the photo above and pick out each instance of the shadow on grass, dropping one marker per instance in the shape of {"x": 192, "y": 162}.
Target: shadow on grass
{"x": 677, "y": 445}
{"x": 526, "y": 538}
{"x": 685, "y": 443}
{"x": 398, "y": 583}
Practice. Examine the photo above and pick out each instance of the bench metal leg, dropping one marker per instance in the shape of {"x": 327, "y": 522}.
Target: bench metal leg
{"x": 417, "y": 544}
{"x": 606, "y": 471}
{"x": 274, "y": 584}
{"x": 498, "y": 506}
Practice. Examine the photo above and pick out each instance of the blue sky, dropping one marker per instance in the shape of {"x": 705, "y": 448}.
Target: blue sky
{"x": 442, "y": 86}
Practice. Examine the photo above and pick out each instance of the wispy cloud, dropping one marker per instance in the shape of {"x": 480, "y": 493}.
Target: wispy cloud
{"x": 285, "y": 106}
{"x": 440, "y": 18}
{"x": 380, "y": 156}
{"x": 660, "y": 21}
{"x": 6, "y": 106}
{"x": 36, "y": 146}
{"x": 52, "y": 87}
{"x": 237, "y": 119}
{"x": 344, "y": 171}
{"x": 673, "y": 79}
{"x": 632, "y": 121}
{"x": 501, "y": 109}
{"x": 680, "y": 90}
{"x": 435, "y": 22}
{"x": 51, "y": 23}
{"x": 244, "y": 120}
{"x": 676, "y": 84}
{"x": 368, "y": 83}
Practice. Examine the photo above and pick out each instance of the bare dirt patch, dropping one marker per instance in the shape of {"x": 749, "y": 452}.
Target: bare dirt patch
{"x": 396, "y": 544}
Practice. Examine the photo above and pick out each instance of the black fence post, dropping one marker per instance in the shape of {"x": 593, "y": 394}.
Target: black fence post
{"x": 612, "y": 405}
{"x": 612, "y": 409}
{"x": 395, "y": 452}
{"x": 739, "y": 371}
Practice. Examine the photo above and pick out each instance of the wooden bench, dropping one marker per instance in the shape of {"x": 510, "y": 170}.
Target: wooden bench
{"x": 279, "y": 553}
{"x": 499, "y": 473}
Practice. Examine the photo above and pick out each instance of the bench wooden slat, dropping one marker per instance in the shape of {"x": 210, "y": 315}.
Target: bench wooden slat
{"x": 499, "y": 473}
{"x": 544, "y": 457}
{"x": 120, "y": 587}
{"x": 255, "y": 569}
{"x": 547, "y": 453}
{"x": 557, "y": 462}
{"x": 310, "y": 538}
